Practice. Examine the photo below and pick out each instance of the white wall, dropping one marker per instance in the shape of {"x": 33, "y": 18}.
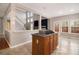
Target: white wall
{"x": 21, "y": 37}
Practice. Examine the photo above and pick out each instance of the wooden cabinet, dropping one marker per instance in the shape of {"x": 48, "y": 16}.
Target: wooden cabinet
{"x": 51, "y": 43}
{"x": 75, "y": 29}
{"x": 64, "y": 29}
{"x": 44, "y": 45}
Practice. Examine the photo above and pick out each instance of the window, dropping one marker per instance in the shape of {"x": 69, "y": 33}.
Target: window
{"x": 29, "y": 20}
{"x": 29, "y": 14}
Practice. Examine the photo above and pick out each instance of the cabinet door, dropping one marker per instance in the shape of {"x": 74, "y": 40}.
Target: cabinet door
{"x": 35, "y": 45}
{"x": 46, "y": 46}
{"x": 51, "y": 43}
{"x": 41, "y": 46}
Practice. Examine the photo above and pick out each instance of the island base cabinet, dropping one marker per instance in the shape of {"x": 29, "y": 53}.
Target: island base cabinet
{"x": 44, "y": 45}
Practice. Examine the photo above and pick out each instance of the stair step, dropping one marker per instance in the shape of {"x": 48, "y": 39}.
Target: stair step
{"x": 3, "y": 43}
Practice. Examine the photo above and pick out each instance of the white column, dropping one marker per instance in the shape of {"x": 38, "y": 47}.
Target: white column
{"x": 32, "y": 22}
{"x": 50, "y": 24}
{"x": 12, "y": 16}
{"x": 40, "y": 22}
{"x": 69, "y": 27}
{"x": 31, "y": 26}
{"x": 60, "y": 27}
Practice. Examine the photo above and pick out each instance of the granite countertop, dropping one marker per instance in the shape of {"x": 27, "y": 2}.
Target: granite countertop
{"x": 43, "y": 35}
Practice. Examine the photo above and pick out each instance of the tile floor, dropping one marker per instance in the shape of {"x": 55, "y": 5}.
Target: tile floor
{"x": 67, "y": 46}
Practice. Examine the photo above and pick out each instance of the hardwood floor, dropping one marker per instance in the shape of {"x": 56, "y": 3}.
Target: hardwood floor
{"x": 3, "y": 43}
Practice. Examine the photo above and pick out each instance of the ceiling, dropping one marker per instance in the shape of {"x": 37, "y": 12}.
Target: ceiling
{"x": 47, "y": 9}
{"x": 3, "y": 8}
{"x": 54, "y": 9}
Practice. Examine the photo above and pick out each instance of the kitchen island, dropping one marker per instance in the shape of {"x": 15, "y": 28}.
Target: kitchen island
{"x": 44, "y": 43}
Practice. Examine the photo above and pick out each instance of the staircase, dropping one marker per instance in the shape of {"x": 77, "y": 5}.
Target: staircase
{"x": 3, "y": 43}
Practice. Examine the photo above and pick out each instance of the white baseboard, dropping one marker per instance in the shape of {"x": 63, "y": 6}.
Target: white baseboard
{"x": 20, "y": 44}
